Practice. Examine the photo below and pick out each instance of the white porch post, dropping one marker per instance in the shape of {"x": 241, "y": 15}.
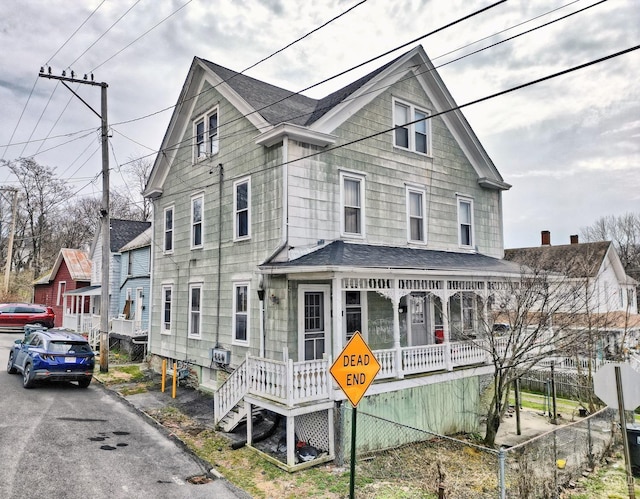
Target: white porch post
{"x": 395, "y": 303}
{"x": 291, "y": 441}
{"x": 336, "y": 306}
{"x": 445, "y": 331}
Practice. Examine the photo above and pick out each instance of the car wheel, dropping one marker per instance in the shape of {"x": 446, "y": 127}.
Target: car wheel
{"x": 10, "y": 367}
{"x": 27, "y": 376}
{"x": 84, "y": 383}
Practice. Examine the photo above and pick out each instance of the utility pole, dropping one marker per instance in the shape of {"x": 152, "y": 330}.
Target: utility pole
{"x": 14, "y": 211}
{"x": 104, "y": 210}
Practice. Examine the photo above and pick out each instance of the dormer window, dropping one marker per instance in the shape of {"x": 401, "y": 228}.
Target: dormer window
{"x": 205, "y": 136}
{"x": 412, "y": 128}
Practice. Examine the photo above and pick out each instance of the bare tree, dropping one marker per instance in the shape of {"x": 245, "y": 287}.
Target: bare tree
{"x": 41, "y": 195}
{"x": 138, "y": 169}
{"x": 624, "y": 232}
{"x": 528, "y": 319}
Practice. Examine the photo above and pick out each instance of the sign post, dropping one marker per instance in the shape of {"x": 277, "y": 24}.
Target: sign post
{"x": 626, "y": 396}
{"x": 354, "y": 370}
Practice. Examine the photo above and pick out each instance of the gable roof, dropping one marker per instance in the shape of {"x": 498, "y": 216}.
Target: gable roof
{"x": 123, "y": 231}
{"x": 573, "y": 260}
{"x": 365, "y": 256}
{"x": 276, "y": 112}
{"x": 140, "y": 241}
{"x": 77, "y": 262}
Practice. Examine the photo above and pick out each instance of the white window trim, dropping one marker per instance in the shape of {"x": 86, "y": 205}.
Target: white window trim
{"x": 208, "y": 132}
{"x": 192, "y": 286}
{"x": 234, "y": 340}
{"x": 163, "y": 329}
{"x": 416, "y": 190}
{"x": 199, "y": 157}
{"x": 464, "y": 199}
{"x": 328, "y": 325}
{"x": 204, "y": 119}
{"x": 246, "y": 180}
{"x": 60, "y": 298}
{"x": 412, "y": 129}
{"x": 360, "y": 178}
{"x": 191, "y": 234}
{"x": 129, "y": 263}
{"x": 173, "y": 229}
{"x": 364, "y": 309}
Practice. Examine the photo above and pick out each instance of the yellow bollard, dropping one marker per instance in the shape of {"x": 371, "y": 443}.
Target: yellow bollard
{"x": 164, "y": 373}
{"x": 175, "y": 379}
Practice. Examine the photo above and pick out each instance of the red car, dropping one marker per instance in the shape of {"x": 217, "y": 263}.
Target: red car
{"x": 15, "y": 316}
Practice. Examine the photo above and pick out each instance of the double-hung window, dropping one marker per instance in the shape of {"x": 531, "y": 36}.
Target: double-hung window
{"x": 465, "y": 222}
{"x": 352, "y": 199}
{"x": 199, "y": 151}
{"x": 197, "y": 207}
{"x": 167, "y": 292}
{"x": 241, "y": 312}
{"x": 205, "y": 136}
{"x": 195, "y": 310}
{"x": 168, "y": 230}
{"x": 242, "y": 209}
{"x": 412, "y": 128}
{"x": 416, "y": 215}
{"x": 355, "y": 306}
{"x": 213, "y": 132}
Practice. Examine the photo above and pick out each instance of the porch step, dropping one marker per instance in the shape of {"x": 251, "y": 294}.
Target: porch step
{"x": 236, "y": 416}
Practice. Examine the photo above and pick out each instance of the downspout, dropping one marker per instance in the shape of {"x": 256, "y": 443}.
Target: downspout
{"x": 221, "y": 171}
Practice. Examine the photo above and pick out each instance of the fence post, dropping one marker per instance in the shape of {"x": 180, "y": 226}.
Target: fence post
{"x": 501, "y": 459}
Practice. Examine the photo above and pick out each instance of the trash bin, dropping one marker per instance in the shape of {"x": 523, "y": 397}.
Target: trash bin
{"x": 633, "y": 437}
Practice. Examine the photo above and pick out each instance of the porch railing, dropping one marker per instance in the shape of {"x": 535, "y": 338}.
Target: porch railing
{"x": 286, "y": 382}
{"x": 292, "y": 383}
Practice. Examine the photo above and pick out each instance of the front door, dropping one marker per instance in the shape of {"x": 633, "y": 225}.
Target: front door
{"x": 314, "y": 322}
{"x": 137, "y": 318}
{"x": 419, "y": 316}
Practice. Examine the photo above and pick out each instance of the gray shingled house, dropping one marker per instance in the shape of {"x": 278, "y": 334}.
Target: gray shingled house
{"x": 283, "y": 224}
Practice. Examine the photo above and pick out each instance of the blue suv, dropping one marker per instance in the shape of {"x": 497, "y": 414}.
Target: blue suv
{"x": 51, "y": 354}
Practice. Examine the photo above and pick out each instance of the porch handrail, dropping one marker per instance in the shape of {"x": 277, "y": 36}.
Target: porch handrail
{"x": 231, "y": 392}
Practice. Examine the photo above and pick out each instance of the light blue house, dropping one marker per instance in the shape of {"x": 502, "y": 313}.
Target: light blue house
{"x": 135, "y": 265}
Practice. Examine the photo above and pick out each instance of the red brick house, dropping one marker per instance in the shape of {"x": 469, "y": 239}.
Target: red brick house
{"x": 71, "y": 270}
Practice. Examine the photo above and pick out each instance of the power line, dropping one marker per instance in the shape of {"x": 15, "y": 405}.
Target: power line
{"x": 36, "y": 80}
{"x": 237, "y": 133}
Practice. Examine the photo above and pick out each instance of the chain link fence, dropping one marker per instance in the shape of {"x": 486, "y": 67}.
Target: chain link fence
{"x": 439, "y": 466}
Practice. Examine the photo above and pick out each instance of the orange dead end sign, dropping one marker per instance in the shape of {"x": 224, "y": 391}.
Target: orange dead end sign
{"x": 355, "y": 368}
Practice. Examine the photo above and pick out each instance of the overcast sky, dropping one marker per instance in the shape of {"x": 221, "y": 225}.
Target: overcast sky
{"x": 570, "y": 147}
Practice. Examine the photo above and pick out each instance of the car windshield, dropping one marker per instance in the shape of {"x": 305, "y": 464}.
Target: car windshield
{"x": 69, "y": 347}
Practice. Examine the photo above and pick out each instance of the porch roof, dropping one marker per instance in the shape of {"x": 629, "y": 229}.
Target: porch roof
{"x": 85, "y": 291}
{"x": 340, "y": 254}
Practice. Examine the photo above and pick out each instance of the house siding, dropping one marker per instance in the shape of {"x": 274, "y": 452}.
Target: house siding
{"x": 238, "y": 259}
{"x": 315, "y": 182}
{"x": 443, "y": 408}
{"x": 139, "y": 278}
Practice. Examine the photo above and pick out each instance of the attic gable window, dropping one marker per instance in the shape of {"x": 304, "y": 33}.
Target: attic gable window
{"x": 408, "y": 135}
{"x": 205, "y": 136}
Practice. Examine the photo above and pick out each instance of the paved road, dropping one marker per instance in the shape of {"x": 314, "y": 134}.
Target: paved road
{"x": 63, "y": 441}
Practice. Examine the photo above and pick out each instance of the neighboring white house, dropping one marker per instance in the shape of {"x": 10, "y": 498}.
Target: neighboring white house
{"x": 605, "y": 297}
